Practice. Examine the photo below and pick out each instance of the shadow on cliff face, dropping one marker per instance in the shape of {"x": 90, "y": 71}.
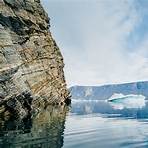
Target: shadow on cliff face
{"x": 45, "y": 129}
{"x": 16, "y": 106}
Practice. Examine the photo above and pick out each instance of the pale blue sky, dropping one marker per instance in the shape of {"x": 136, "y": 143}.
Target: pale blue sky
{"x": 102, "y": 41}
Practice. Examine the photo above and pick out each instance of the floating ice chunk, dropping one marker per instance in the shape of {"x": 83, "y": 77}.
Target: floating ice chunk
{"x": 120, "y": 101}
{"x": 116, "y": 96}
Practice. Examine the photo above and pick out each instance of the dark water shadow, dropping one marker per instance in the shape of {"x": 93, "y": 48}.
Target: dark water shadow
{"x": 45, "y": 130}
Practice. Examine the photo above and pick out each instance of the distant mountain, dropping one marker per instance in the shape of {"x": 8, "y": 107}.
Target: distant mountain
{"x": 106, "y": 91}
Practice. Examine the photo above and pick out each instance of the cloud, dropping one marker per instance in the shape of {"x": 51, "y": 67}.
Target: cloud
{"x": 98, "y": 40}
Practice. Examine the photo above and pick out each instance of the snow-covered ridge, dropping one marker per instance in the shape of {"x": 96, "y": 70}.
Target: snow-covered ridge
{"x": 106, "y": 91}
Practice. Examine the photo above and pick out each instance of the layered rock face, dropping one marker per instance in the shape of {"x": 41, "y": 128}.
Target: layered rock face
{"x": 31, "y": 64}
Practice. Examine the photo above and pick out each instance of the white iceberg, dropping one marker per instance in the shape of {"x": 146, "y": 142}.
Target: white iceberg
{"x": 120, "y": 101}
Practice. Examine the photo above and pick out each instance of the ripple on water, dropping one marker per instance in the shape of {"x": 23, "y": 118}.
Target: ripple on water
{"x": 98, "y": 132}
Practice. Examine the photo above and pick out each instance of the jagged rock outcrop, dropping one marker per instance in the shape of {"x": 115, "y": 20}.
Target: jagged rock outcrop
{"x": 31, "y": 64}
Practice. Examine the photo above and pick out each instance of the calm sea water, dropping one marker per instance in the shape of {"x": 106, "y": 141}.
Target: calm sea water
{"x": 86, "y": 124}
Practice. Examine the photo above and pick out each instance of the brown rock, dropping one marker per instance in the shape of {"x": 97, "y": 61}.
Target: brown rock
{"x": 30, "y": 60}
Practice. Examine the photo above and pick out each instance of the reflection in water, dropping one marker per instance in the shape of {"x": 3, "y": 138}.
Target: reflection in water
{"x": 91, "y": 123}
{"x": 84, "y": 107}
{"x": 96, "y": 124}
{"x": 44, "y": 130}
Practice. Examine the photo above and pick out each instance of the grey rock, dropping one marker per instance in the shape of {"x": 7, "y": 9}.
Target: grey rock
{"x": 1, "y": 27}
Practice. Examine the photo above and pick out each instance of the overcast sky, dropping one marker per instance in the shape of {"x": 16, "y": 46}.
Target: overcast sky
{"x": 102, "y": 41}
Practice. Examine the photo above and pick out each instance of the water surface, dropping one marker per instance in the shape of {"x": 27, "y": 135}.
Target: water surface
{"x": 87, "y": 123}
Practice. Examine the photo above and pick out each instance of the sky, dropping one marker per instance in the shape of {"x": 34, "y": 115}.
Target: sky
{"x": 102, "y": 41}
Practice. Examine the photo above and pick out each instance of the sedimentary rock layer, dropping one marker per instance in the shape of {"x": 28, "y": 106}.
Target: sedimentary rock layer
{"x": 31, "y": 64}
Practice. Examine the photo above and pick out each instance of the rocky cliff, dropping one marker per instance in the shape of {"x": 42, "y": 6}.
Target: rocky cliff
{"x": 31, "y": 64}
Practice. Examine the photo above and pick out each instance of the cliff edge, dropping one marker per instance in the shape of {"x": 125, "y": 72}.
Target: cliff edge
{"x": 31, "y": 64}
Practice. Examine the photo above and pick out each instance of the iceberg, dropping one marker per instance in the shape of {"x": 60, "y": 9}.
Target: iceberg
{"x": 120, "y": 101}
